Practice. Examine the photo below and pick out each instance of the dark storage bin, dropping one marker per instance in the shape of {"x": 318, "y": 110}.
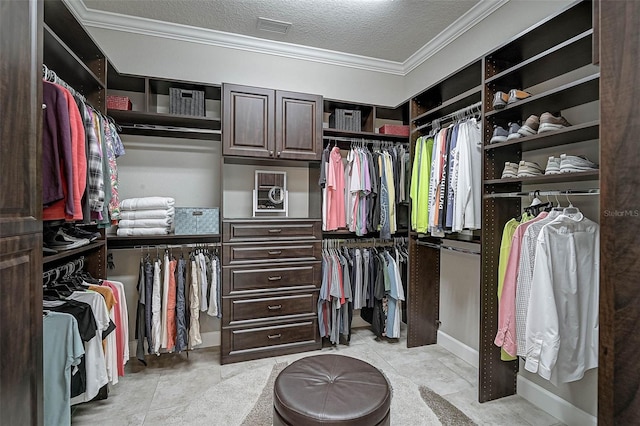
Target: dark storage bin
{"x": 186, "y": 102}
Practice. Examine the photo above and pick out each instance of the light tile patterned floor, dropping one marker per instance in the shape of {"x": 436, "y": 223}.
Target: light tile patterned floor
{"x": 196, "y": 389}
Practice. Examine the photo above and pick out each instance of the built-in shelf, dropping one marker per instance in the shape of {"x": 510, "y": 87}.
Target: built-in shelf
{"x": 402, "y": 232}
{"x": 565, "y": 96}
{"x": 450, "y": 105}
{"x": 115, "y": 242}
{"x": 573, "y": 134}
{"x": 559, "y": 59}
{"x": 73, "y": 253}
{"x": 60, "y": 58}
{"x": 562, "y": 177}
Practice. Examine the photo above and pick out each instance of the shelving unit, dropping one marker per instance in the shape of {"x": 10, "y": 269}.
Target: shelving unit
{"x": 116, "y": 242}
{"x": 150, "y": 102}
{"x": 372, "y": 117}
{"x": 551, "y": 52}
{"x": 70, "y": 52}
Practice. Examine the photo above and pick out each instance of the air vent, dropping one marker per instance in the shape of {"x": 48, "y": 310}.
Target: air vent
{"x": 273, "y": 26}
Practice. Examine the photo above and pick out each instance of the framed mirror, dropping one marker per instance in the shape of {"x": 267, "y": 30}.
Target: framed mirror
{"x": 270, "y": 196}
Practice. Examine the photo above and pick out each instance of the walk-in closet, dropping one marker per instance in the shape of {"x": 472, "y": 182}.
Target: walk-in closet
{"x": 182, "y": 215}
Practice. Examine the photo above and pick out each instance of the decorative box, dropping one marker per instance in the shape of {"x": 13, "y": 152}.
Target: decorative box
{"x": 196, "y": 220}
{"x": 186, "y": 102}
{"x": 394, "y": 129}
{"x": 119, "y": 102}
{"x": 346, "y": 119}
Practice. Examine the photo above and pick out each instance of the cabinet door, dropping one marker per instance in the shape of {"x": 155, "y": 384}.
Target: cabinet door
{"x": 298, "y": 126}
{"x": 21, "y": 400}
{"x": 248, "y": 122}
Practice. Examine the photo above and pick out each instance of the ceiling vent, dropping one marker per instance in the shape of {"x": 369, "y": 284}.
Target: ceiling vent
{"x": 273, "y": 26}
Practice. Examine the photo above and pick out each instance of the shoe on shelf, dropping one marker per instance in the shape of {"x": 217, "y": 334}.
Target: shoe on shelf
{"x": 516, "y": 95}
{"x": 549, "y": 122}
{"x": 500, "y": 100}
{"x": 513, "y": 131}
{"x": 51, "y": 239}
{"x": 553, "y": 166}
{"x": 530, "y": 127}
{"x": 500, "y": 134}
{"x": 576, "y": 163}
{"x": 510, "y": 170}
{"x": 529, "y": 169}
{"x": 77, "y": 232}
{"x": 66, "y": 237}
{"x": 46, "y": 251}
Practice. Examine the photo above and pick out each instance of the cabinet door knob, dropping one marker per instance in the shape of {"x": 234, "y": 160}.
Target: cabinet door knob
{"x": 278, "y": 153}
{"x": 271, "y": 153}
{"x": 275, "y": 336}
{"x": 275, "y": 231}
{"x": 276, "y": 278}
{"x": 274, "y": 252}
{"x": 274, "y": 307}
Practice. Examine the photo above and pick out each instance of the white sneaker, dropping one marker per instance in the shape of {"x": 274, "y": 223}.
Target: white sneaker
{"x": 529, "y": 169}
{"x": 574, "y": 163}
{"x": 553, "y": 166}
{"x": 510, "y": 170}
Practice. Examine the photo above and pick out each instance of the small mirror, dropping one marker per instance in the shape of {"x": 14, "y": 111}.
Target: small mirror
{"x": 270, "y": 194}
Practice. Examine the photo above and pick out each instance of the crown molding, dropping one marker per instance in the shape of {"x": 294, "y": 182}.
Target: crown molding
{"x": 149, "y": 27}
{"x": 474, "y": 15}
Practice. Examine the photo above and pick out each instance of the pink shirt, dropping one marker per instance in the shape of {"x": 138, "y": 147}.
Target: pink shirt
{"x": 506, "y": 336}
{"x": 335, "y": 191}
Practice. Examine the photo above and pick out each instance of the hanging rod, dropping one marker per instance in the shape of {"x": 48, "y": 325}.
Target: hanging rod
{"x": 170, "y": 246}
{"x": 461, "y": 113}
{"x": 461, "y": 250}
{"x": 363, "y": 140}
{"x": 49, "y": 75}
{"x": 428, "y": 244}
{"x": 572, "y": 192}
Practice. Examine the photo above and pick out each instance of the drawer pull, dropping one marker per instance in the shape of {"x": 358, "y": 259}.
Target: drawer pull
{"x": 276, "y": 278}
{"x": 274, "y": 307}
{"x": 274, "y": 252}
{"x": 275, "y": 336}
{"x": 275, "y": 231}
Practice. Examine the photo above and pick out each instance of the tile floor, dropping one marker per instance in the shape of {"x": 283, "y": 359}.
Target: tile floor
{"x": 196, "y": 389}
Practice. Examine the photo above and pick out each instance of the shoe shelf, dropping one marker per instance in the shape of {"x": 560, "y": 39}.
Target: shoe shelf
{"x": 572, "y": 94}
{"x": 115, "y": 242}
{"x": 568, "y": 135}
{"x": 556, "y": 178}
{"x": 73, "y": 253}
{"x": 560, "y": 59}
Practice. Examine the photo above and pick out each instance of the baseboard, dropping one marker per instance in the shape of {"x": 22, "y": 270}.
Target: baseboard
{"x": 553, "y": 404}
{"x": 459, "y": 349}
{"x": 209, "y": 339}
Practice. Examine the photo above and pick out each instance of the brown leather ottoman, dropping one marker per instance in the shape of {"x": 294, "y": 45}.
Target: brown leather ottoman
{"x": 331, "y": 390}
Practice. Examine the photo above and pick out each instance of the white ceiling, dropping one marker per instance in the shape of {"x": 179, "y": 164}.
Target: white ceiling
{"x": 387, "y": 30}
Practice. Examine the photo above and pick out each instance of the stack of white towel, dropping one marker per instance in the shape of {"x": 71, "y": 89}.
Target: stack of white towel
{"x": 146, "y": 216}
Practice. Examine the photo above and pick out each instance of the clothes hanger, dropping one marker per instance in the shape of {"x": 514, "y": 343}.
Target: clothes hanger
{"x": 571, "y": 211}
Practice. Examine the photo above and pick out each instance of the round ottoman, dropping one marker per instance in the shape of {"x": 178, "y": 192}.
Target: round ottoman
{"x": 331, "y": 390}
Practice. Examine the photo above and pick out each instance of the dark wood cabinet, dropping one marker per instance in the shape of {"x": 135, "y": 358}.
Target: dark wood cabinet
{"x": 21, "y": 399}
{"x": 270, "y": 288}
{"x": 266, "y": 123}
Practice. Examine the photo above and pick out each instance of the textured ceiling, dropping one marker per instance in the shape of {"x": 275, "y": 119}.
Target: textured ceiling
{"x": 382, "y": 29}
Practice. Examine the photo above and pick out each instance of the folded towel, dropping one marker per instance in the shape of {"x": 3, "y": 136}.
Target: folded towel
{"x": 146, "y": 223}
{"x": 148, "y": 214}
{"x": 147, "y": 203}
{"x": 129, "y": 232}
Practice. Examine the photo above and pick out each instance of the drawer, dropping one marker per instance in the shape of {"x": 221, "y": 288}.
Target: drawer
{"x": 271, "y": 230}
{"x": 244, "y": 280}
{"x": 266, "y": 253}
{"x": 264, "y": 338}
{"x": 242, "y": 310}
